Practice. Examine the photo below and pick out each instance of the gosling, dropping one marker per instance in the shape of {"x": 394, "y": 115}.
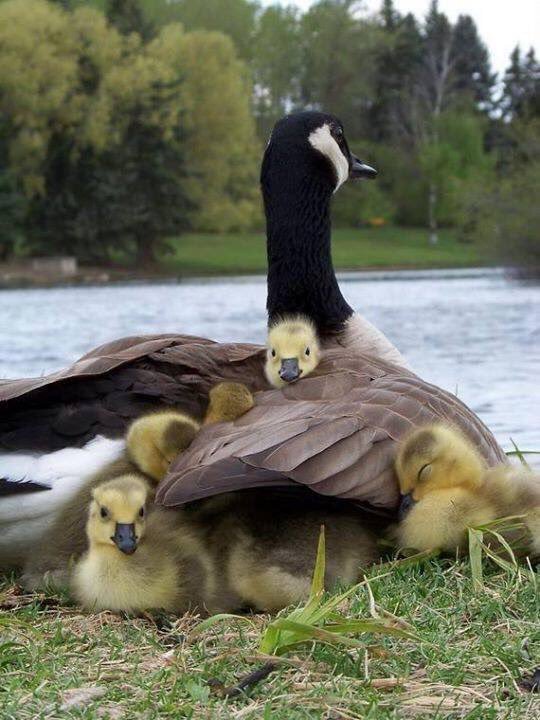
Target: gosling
{"x": 153, "y": 441}
{"x": 446, "y": 488}
{"x": 128, "y": 565}
{"x": 293, "y": 351}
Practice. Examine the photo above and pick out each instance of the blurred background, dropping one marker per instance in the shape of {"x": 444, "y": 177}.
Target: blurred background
{"x": 131, "y": 133}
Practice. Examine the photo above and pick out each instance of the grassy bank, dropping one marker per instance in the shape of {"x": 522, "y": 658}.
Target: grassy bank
{"x": 386, "y": 247}
{"x": 471, "y": 651}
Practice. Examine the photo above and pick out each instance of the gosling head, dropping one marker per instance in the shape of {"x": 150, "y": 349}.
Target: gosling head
{"x": 117, "y": 516}
{"x": 436, "y": 458}
{"x": 293, "y": 351}
{"x": 228, "y": 401}
{"x": 311, "y": 143}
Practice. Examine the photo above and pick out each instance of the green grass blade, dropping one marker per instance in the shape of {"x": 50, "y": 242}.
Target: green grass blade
{"x": 520, "y": 454}
{"x": 475, "y": 555}
{"x": 317, "y": 583}
{"x": 368, "y": 626}
{"x": 301, "y": 632}
{"x": 215, "y": 619}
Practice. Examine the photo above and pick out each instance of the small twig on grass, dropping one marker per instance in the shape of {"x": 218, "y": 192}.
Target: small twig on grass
{"x": 245, "y": 683}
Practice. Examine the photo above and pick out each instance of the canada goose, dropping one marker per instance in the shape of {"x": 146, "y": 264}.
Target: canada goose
{"x": 242, "y": 551}
{"x": 152, "y": 441}
{"x": 336, "y": 431}
{"x": 293, "y": 351}
{"x": 446, "y": 487}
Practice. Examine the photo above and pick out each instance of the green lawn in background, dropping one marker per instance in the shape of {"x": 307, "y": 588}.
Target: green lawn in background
{"x": 386, "y": 247}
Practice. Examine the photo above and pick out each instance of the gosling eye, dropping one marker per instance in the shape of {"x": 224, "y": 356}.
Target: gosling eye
{"x": 104, "y": 512}
{"x": 141, "y": 512}
{"x": 273, "y": 353}
{"x": 308, "y": 352}
{"x": 424, "y": 472}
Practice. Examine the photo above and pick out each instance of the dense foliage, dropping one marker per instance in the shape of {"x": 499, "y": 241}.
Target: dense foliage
{"x": 127, "y": 121}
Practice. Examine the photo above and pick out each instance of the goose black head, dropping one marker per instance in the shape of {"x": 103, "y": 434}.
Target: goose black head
{"x": 312, "y": 144}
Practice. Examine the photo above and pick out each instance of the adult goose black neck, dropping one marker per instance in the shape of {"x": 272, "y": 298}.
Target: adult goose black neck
{"x": 297, "y": 186}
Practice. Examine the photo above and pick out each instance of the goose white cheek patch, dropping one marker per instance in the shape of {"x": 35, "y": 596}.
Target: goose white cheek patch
{"x": 321, "y": 139}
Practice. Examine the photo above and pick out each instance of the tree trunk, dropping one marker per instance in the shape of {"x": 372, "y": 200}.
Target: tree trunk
{"x": 432, "y": 205}
{"x": 145, "y": 252}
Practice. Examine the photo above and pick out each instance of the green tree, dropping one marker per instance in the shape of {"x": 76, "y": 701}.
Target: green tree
{"x": 128, "y": 17}
{"x": 337, "y": 67}
{"x": 221, "y": 143}
{"x": 276, "y": 64}
{"x": 234, "y": 18}
{"x": 472, "y": 73}
{"x": 521, "y": 86}
{"x": 125, "y": 200}
{"x": 397, "y": 59}
{"x": 11, "y": 200}
{"x": 505, "y": 212}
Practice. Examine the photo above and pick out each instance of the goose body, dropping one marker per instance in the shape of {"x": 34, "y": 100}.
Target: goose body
{"x": 335, "y": 431}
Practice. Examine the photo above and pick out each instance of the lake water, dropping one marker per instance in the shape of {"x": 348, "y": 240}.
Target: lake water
{"x": 476, "y": 333}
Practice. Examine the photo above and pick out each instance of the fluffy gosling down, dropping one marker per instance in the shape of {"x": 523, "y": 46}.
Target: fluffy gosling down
{"x": 123, "y": 570}
{"x": 293, "y": 351}
{"x": 446, "y": 488}
{"x": 153, "y": 441}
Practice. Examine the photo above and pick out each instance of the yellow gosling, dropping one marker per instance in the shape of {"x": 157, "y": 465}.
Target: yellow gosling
{"x": 124, "y": 568}
{"x": 293, "y": 351}
{"x": 447, "y": 488}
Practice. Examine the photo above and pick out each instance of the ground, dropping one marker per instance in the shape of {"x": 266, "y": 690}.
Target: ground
{"x": 198, "y": 254}
{"x": 472, "y": 649}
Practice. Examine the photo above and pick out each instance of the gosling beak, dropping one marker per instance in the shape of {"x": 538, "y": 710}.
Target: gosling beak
{"x": 289, "y": 371}
{"x": 406, "y": 505}
{"x": 124, "y": 538}
{"x": 359, "y": 169}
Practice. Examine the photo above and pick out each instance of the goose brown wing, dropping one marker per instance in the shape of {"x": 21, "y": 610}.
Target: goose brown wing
{"x": 101, "y": 393}
{"x": 335, "y": 432}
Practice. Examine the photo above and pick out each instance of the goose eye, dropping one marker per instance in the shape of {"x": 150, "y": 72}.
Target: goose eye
{"x": 141, "y": 512}
{"x": 273, "y": 353}
{"x": 104, "y": 512}
{"x": 308, "y": 352}
{"x": 338, "y": 132}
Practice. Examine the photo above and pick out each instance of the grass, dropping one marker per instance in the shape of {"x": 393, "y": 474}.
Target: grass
{"x": 469, "y": 650}
{"x": 386, "y": 247}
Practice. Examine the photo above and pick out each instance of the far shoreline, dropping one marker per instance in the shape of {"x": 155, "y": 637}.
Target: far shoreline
{"x": 372, "y": 273}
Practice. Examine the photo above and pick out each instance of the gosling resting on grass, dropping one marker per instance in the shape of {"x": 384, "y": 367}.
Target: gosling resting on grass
{"x": 250, "y": 549}
{"x": 152, "y": 442}
{"x": 447, "y": 488}
{"x": 293, "y": 351}
{"x": 124, "y": 568}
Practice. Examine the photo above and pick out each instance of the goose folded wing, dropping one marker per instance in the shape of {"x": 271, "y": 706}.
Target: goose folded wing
{"x": 105, "y": 390}
{"x": 335, "y": 432}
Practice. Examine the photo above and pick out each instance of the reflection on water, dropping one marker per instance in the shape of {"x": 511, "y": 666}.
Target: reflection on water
{"x": 474, "y": 334}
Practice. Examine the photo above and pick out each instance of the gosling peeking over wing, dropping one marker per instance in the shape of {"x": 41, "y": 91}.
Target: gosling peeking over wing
{"x": 154, "y": 440}
{"x": 293, "y": 351}
{"x": 447, "y": 488}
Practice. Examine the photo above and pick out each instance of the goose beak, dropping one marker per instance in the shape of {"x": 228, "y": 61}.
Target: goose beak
{"x": 289, "y": 371}
{"x": 359, "y": 169}
{"x": 405, "y": 506}
{"x": 124, "y": 538}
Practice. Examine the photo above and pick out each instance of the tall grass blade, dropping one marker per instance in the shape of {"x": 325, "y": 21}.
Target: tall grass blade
{"x": 519, "y": 454}
{"x": 475, "y": 555}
